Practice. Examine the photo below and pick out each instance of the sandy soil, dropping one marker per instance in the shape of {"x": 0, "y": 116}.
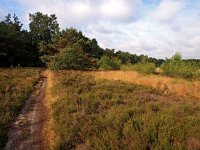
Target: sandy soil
{"x": 26, "y": 133}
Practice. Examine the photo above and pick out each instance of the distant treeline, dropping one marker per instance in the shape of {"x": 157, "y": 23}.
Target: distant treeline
{"x": 45, "y": 44}
{"x": 192, "y": 60}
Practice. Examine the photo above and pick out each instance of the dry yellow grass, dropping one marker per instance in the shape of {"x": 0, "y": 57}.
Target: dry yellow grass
{"x": 180, "y": 87}
{"x": 49, "y": 100}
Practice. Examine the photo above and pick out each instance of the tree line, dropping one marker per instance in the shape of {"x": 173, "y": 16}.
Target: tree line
{"x": 45, "y": 44}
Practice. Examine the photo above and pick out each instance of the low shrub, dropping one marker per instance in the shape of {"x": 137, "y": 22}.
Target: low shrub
{"x": 176, "y": 67}
{"x": 140, "y": 67}
{"x": 72, "y": 59}
{"x": 107, "y": 63}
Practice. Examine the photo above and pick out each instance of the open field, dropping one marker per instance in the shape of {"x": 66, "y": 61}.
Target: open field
{"x": 106, "y": 109}
{"x": 118, "y": 75}
{"x": 91, "y": 113}
{"x": 168, "y": 85}
{"x": 15, "y": 87}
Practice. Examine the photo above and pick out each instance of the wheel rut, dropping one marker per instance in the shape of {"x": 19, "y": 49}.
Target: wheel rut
{"x": 27, "y": 131}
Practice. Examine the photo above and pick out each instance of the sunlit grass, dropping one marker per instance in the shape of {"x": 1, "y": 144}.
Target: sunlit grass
{"x": 49, "y": 133}
{"x": 91, "y": 113}
{"x": 180, "y": 87}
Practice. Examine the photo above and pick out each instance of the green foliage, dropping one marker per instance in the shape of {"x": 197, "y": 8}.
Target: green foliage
{"x": 176, "y": 67}
{"x": 44, "y": 44}
{"x": 107, "y": 63}
{"x": 140, "y": 67}
{"x": 101, "y": 114}
{"x": 16, "y": 85}
{"x": 72, "y": 59}
{"x": 74, "y": 38}
{"x": 43, "y": 27}
{"x": 109, "y": 52}
{"x": 15, "y": 45}
{"x": 128, "y": 59}
{"x": 125, "y": 57}
{"x": 85, "y": 49}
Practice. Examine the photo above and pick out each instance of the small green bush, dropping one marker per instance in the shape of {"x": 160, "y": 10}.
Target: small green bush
{"x": 72, "y": 59}
{"x": 144, "y": 67}
{"x": 107, "y": 63}
{"x": 176, "y": 67}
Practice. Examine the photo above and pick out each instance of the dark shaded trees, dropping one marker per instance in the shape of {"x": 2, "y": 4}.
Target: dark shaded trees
{"x": 109, "y": 52}
{"x": 124, "y": 56}
{"x": 15, "y": 47}
{"x": 74, "y": 38}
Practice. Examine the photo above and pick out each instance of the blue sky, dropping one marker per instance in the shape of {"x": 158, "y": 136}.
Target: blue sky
{"x": 157, "y": 28}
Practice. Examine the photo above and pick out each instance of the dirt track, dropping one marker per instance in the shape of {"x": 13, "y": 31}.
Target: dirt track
{"x": 26, "y": 133}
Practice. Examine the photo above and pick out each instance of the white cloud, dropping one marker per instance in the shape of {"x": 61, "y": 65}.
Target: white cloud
{"x": 82, "y": 12}
{"x": 168, "y": 10}
{"x": 159, "y": 30}
{"x": 152, "y": 38}
{"x": 119, "y": 9}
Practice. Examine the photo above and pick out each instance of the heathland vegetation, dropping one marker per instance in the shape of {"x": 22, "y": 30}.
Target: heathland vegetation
{"x": 15, "y": 87}
{"x": 100, "y": 114}
{"x": 107, "y": 99}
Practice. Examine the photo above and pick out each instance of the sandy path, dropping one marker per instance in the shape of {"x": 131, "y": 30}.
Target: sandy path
{"x": 26, "y": 133}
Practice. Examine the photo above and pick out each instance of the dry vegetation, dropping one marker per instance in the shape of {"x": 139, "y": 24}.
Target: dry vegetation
{"x": 108, "y": 114}
{"x": 168, "y": 85}
{"x": 15, "y": 87}
{"x": 49, "y": 101}
{"x": 107, "y": 109}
